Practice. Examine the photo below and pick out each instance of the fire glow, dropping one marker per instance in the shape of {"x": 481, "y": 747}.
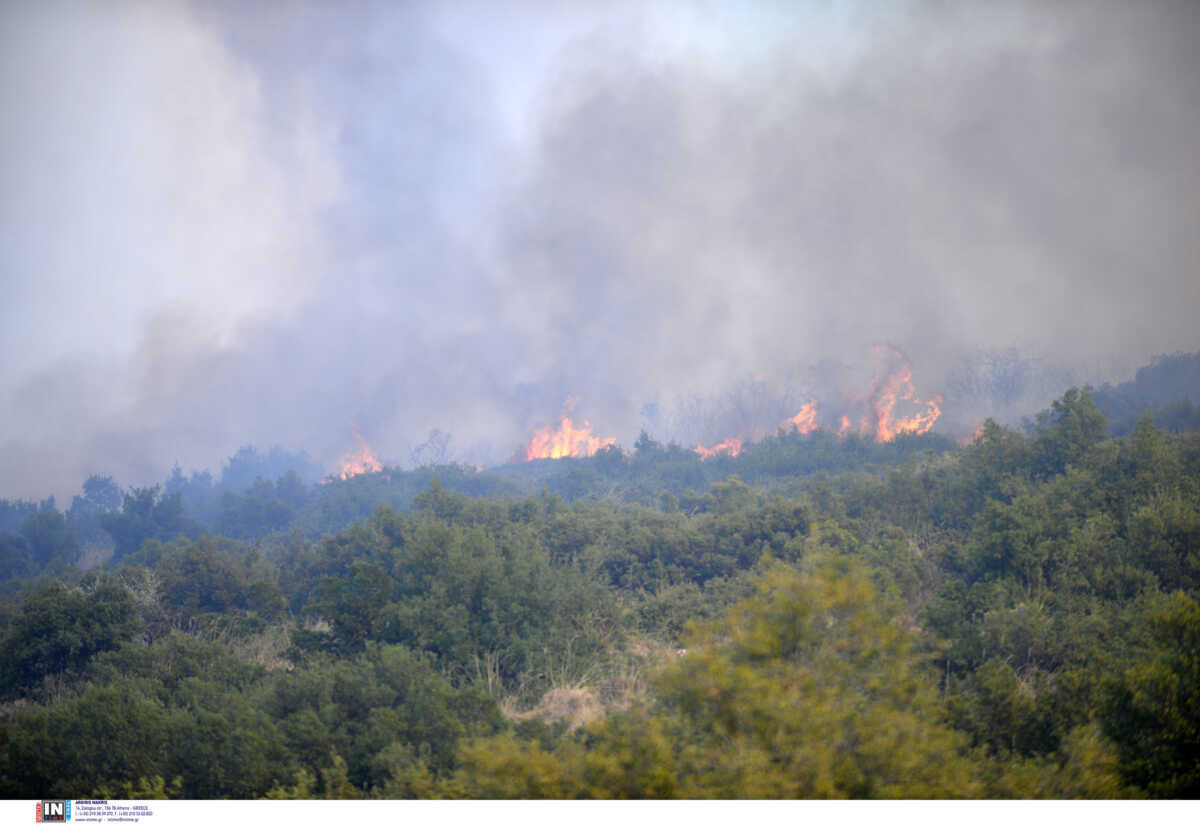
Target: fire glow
{"x": 729, "y": 446}
{"x": 967, "y": 440}
{"x": 805, "y": 420}
{"x": 891, "y": 391}
{"x": 891, "y": 388}
{"x": 893, "y": 384}
{"x": 360, "y": 461}
{"x": 566, "y": 440}
{"x": 890, "y": 408}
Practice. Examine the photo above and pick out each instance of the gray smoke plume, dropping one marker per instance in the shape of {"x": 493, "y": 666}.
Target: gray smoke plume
{"x": 266, "y": 223}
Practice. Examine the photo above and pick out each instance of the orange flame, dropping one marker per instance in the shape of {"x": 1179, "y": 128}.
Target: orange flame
{"x": 967, "y": 440}
{"x": 359, "y": 462}
{"x": 891, "y": 388}
{"x": 564, "y": 441}
{"x": 892, "y": 384}
{"x": 805, "y": 420}
{"x": 729, "y": 446}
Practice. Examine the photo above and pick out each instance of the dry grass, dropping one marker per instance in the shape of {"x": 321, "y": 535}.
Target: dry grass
{"x": 575, "y": 705}
{"x": 264, "y": 649}
{"x": 621, "y": 682}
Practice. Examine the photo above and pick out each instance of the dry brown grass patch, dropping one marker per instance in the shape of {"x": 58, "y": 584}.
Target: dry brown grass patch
{"x": 575, "y": 705}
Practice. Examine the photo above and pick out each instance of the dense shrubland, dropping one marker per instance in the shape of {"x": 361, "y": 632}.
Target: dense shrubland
{"x": 817, "y": 617}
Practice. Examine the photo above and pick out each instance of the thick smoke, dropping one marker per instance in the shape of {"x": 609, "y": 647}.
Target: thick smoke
{"x": 267, "y": 223}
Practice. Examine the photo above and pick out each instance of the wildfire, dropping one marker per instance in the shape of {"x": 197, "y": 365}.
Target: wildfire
{"x": 889, "y": 409}
{"x": 564, "y": 441}
{"x": 892, "y": 384}
{"x": 360, "y": 461}
{"x": 805, "y": 420}
{"x": 891, "y": 388}
{"x": 729, "y": 446}
{"x": 967, "y": 440}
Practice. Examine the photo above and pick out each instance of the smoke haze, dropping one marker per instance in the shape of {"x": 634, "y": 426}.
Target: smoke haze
{"x": 266, "y": 223}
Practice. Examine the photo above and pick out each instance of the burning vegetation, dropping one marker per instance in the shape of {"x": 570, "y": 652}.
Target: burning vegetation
{"x": 890, "y": 408}
{"x": 359, "y": 461}
{"x": 893, "y": 385}
{"x": 729, "y": 446}
{"x": 805, "y": 420}
{"x": 566, "y": 440}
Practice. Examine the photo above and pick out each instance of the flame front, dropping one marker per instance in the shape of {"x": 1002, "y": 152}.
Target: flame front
{"x": 564, "y": 441}
{"x": 892, "y": 387}
{"x": 360, "y": 461}
{"x": 805, "y": 420}
{"x": 891, "y": 393}
{"x": 892, "y": 384}
{"x": 729, "y": 446}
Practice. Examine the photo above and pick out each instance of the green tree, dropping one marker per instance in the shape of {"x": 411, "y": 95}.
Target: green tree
{"x": 809, "y": 689}
{"x": 59, "y": 629}
{"x": 1066, "y": 432}
{"x": 100, "y": 496}
{"x": 146, "y": 514}
{"x": 50, "y": 537}
{"x": 1154, "y": 707}
{"x": 15, "y": 557}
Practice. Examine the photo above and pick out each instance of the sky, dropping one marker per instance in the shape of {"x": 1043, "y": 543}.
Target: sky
{"x": 268, "y": 223}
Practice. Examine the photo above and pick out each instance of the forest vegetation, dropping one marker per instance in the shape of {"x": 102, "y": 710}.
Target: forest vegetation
{"x": 816, "y": 617}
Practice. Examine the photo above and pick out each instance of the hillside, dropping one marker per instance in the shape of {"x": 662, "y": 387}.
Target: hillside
{"x": 818, "y": 616}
